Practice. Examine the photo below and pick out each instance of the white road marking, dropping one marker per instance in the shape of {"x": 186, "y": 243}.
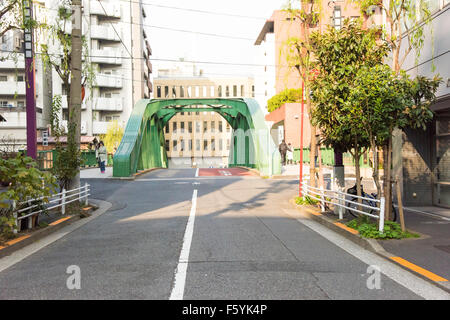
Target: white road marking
{"x": 196, "y": 172}
{"x": 225, "y": 173}
{"x": 392, "y": 271}
{"x": 181, "y": 271}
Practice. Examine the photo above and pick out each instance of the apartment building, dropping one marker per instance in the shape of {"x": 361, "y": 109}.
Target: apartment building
{"x": 118, "y": 51}
{"x": 276, "y": 75}
{"x": 201, "y": 138}
{"x": 422, "y": 158}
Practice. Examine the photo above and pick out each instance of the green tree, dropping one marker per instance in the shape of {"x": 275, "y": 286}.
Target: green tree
{"x": 113, "y": 136}
{"x": 405, "y": 21}
{"x": 11, "y": 16}
{"x": 339, "y": 55}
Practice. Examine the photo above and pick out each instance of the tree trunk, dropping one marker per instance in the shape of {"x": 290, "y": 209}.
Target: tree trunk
{"x": 312, "y": 157}
{"x": 375, "y": 170}
{"x": 387, "y": 149}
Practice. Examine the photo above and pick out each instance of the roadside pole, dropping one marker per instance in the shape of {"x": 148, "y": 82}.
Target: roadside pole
{"x": 30, "y": 80}
{"x": 300, "y": 178}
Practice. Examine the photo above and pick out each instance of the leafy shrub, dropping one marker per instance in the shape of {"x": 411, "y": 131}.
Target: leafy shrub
{"x": 25, "y": 181}
{"x": 305, "y": 200}
{"x": 285, "y": 96}
{"x": 368, "y": 229}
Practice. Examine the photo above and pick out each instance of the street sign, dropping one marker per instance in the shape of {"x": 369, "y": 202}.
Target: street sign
{"x": 45, "y": 138}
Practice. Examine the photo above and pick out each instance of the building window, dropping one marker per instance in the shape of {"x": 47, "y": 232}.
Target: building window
{"x": 205, "y": 145}
{"x": 167, "y": 145}
{"x": 220, "y": 126}
{"x": 228, "y": 144}
{"x": 20, "y": 78}
{"x": 174, "y": 92}
{"x": 197, "y": 126}
{"x": 166, "y": 91}
{"x": 253, "y": 91}
{"x": 204, "y": 91}
{"x": 167, "y": 128}
{"x": 3, "y": 103}
{"x": 190, "y": 126}
{"x": 228, "y": 127}
{"x": 197, "y": 144}
{"x": 219, "y": 91}
{"x": 205, "y": 126}
{"x": 158, "y": 91}
{"x": 235, "y": 91}
{"x": 220, "y": 144}
{"x": 181, "y": 145}
{"x": 190, "y": 144}
{"x": 213, "y": 126}
{"x": 337, "y": 17}
{"x": 213, "y": 145}
{"x": 181, "y": 92}
{"x": 20, "y": 104}
{"x": 174, "y": 128}
{"x": 211, "y": 91}
{"x": 174, "y": 145}
{"x": 189, "y": 91}
{"x": 227, "y": 91}
{"x": 182, "y": 126}
{"x": 3, "y": 78}
{"x": 242, "y": 91}
{"x": 197, "y": 91}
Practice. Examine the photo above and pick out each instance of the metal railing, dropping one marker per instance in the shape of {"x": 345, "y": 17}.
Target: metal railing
{"x": 58, "y": 200}
{"x": 347, "y": 201}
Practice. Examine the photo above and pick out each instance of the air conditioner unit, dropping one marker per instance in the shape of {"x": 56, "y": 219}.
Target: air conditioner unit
{"x": 17, "y": 43}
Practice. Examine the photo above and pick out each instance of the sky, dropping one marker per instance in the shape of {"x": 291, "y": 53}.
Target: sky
{"x": 235, "y": 19}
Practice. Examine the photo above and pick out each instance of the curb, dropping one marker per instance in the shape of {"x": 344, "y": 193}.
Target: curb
{"x": 368, "y": 244}
{"x": 133, "y": 177}
{"x": 27, "y": 239}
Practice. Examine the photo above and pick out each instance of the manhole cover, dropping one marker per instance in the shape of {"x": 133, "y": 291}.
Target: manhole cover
{"x": 443, "y": 248}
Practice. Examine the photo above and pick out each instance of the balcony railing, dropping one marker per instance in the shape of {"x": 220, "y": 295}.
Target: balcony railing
{"x": 112, "y": 9}
{"x": 9, "y": 63}
{"x": 64, "y": 103}
{"x": 99, "y": 127}
{"x": 107, "y": 56}
{"x": 107, "y": 104}
{"x": 83, "y": 126}
{"x": 108, "y": 80}
{"x": 11, "y": 88}
{"x": 106, "y": 32}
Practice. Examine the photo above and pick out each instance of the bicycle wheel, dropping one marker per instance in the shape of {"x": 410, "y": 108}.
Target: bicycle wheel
{"x": 354, "y": 205}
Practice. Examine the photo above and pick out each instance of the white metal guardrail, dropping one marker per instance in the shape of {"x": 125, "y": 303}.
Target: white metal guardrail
{"x": 341, "y": 199}
{"x": 58, "y": 200}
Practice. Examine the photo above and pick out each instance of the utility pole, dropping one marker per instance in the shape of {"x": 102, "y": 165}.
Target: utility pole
{"x": 29, "y": 80}
{"x": 74, "y": 123}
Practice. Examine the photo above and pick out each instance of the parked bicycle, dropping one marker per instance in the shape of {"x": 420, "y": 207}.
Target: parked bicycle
{"x": 373, "y": 196}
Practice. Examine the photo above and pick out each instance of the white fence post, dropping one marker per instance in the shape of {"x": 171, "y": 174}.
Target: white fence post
{"x": 63, "y": 202}
{"x": 15, "y": 216}
{"x": 322, "y": 197}
{"x": 30, "y": 218}
{"x": 341, "y": 203}
{"x": 382, "y": 208}
{"x": 86, "y": 189}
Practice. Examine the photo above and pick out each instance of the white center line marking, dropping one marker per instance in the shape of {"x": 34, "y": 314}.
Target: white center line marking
{"x": 196, "y": 173}
{"x": 181, "y": 271}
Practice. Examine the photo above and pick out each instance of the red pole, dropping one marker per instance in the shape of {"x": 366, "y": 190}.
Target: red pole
{"x": 300, "y": 178}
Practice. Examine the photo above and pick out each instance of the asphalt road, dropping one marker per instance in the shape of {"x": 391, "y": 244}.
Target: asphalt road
{"x": 246, "y": 243}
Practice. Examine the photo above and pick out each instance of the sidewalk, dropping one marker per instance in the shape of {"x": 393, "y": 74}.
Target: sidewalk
{"x": 427, "y": 256}
{"x": 94, "y": 173}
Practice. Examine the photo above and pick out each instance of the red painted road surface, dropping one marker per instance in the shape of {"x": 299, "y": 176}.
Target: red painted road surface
{"x": 224, "y": 172}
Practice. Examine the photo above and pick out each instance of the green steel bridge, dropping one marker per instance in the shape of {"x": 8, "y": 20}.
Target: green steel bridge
{"x": 143, "y": 145}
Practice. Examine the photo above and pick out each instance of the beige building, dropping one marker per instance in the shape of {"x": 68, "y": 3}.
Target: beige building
{"x": 200, "y": 138}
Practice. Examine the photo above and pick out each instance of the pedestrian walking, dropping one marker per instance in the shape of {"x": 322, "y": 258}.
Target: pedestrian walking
{"x": 102, "y": 156}
{"x": 283, "y": 147}
{"x": 290, "y": 154}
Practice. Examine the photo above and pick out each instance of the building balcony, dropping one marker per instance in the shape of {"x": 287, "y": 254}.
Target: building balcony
{"x": 99, "y": 127}
{"x": 12, "y": 88}
{"x": 108, "y": 80}
{"x": 64, "y": 103}
{"x": 149, "y": 85}
{"x": 107, "y": 104}
{"x": 149, "y": 49}
{"x": 149, "y": 66}
{"x": 107, "y": 56}
{"x": 10, "y": 64}
{"x": 83, "y": 126}
{"x": 112, "y": 8}
{"x": 106, "y": 32}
